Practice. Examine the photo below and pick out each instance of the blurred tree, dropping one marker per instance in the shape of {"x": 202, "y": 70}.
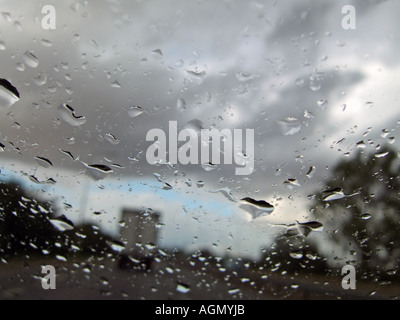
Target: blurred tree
{"x": 24, "y": 224}
{"x": 294, "y": 255}
{"x": 90, "y": 240}
{"x": 361, "y": 212}
{"x": 26, "y": 227}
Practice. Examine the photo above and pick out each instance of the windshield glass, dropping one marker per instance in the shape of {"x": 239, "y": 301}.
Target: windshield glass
{"x": 199, "y": 149}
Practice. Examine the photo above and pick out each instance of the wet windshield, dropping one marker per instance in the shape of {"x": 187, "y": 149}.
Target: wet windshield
{"x": 199, "y": 149}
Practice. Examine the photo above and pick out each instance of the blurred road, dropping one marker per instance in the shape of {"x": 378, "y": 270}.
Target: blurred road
{"x": 101, "y": 279}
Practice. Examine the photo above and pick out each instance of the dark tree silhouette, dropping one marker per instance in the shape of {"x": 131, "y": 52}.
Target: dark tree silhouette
{"x": 25, "y": 228}
{"x": 364, "y": 225}
{"x": 294, "y": 255}
{"x": 24, "y": 224}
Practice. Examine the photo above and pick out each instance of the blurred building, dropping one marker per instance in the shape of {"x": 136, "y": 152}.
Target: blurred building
{"x": 139, "y": 234}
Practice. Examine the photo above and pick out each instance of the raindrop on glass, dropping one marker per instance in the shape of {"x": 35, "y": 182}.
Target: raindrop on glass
{"x": 67, "y": 113}
{"x": 256, "y": 208}
{"x": 366, "y": 216}
{"x": 117, "y": 246}
{"x": 292, "y": 184}
{"x": 289, "y": 126}
{"x": 62, "y": 224}
{"x": 157, "y": 54}
{"x": 182, "y": 287}
{"x": 135, "y": 111}
{"x": 8, "y": 93}
{"x": 335, "y": 194}
{"x": 44, "y": 162}
{"x": 111, "y": 138}
{"x": 181, "y": 105}
{"x": 30, "y": 59}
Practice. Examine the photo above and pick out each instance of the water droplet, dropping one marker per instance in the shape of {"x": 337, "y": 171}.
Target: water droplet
{"x": 256, "y": 208}
{"x": 226, "y": 192}
{"x": 6, "y": 16}
{"x": 135, "y": 111}
{"x": 312, "y": 256}
{"x": 310, "y": 172}
{"x": 299, "y": 82}
{"x": 115, "y": 84}
{"x": 296, "y": 255}
{"x": 209, "y": 166}
{"x": 195, "y": 124}
{"x": 8, "y": 93}
{"x": 46, "y": 163}
{"x": 98, "y": 171}
{"x": 361, "y": 145}
{"x": 17, "y": 26}
{"x": 305, "y": 228}
{"x": 200, "y": 184}
{"x": 181, "y": 105}
{"x": 292, "y": 184}
{"x": 391, "y": 272}
{"x": 100, "y": 167}
{"x": 67, "y": 153}
{"x": 315, "y": 83}
{"x": 369, "y": 104}
{"x": 157, "y": 53}
{"x": 340, "y": 43}
{"x": 36, "y": 180}
{"x": 70, "y": 140}
{"x": 16, "y": 125}
{"x": 197, "y": 73}
{"x": 233, "y": 291}
{"x": 30, "y": 59}
{"x": 41, "y": 79}
{"x": 381, "y": 155}
{"x": 2, "y": 46}
{"x": 2, "y": 147}
{"x": 117, "y": 246}
{"x": 61, "y": 258}
{"x": 87, "y": 269}
{"x": 334, "y": 194}
{"x": 46, "y": 43}
{"x": 308, "y": 115}
{"x": 322, "y": 103}
{"x": 385, "y": 133}
{"x": 111, "y": 138}
{"x": 182, "y": 287}
{"x": 366, "y": 216}
{"x": 67, "y": 113}
{"x": 62, "y": 224}
{"x": 311, "y": 224}
{"x": 167, "y": 186}
{"x": 76, "y": 37}
{"x": 241, "y": 76}
{"x": 289, "y": 126}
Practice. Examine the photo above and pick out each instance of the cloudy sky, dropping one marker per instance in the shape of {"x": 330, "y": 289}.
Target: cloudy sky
{"x": 309, "y": 89}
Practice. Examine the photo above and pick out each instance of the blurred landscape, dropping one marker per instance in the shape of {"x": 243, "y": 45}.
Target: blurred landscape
{"x": 77, "y": 188}
{"x": 88, "y": 262}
